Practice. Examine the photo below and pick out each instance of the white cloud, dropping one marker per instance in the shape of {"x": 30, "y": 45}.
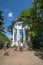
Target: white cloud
{"x": 10, "y": 14}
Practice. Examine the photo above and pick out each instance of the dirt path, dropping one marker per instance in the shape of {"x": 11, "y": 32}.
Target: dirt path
{"x": 19, "y": 58}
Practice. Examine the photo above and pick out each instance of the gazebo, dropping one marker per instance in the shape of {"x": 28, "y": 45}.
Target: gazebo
{"x": 19, "y": 32}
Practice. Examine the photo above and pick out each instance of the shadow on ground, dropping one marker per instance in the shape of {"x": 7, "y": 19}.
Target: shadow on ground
{"x": 39, "y": 54}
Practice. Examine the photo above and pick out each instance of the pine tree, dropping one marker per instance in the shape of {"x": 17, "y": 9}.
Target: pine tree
{"x": 1, "y": 23}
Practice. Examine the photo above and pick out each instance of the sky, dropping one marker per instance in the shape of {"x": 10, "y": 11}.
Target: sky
{"x": 12, "y": 8}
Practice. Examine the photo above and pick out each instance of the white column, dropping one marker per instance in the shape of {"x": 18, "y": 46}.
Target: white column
{"x": 18, "y": 35}
{"x": 13, "y": 37}
{"x": 24, "y": 36}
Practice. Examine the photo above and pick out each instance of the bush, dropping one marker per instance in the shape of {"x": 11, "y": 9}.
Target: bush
{"x": 3, "y": 39}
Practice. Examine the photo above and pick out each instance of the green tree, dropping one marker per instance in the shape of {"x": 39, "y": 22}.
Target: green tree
{"x": 3, "y": 37}
{"x": 34, "y": 18}
{"x": 1, "y": 23}
{"x": 10, "y": 28}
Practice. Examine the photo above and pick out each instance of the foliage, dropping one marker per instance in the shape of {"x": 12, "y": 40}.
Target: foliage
{"x": 34, "y": 18}
{"x": 3, "y": 39}
{"x": 1, "y": 23}
{"x": 10, "y": 28}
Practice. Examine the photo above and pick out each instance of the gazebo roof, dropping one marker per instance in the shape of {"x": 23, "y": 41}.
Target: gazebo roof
{"x": 15, "y": 21}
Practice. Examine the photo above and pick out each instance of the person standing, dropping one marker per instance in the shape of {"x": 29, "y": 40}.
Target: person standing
{"x": 16, "y": 46}
{"x": 21, "y": 46}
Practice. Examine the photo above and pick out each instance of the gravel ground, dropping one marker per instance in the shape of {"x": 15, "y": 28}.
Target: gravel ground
{"x": 19, "y": 58}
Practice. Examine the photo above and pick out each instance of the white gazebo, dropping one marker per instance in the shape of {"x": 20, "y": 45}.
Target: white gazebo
{"x": 18, "y": 32}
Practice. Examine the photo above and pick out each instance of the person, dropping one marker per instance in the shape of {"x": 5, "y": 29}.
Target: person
{"x": 21, "y": 46}
{"x": 16, "y": 46}
{"x": 5, "y": 49}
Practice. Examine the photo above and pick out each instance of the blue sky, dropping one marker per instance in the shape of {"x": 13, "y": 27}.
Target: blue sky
{"x": 11, "y": 9}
